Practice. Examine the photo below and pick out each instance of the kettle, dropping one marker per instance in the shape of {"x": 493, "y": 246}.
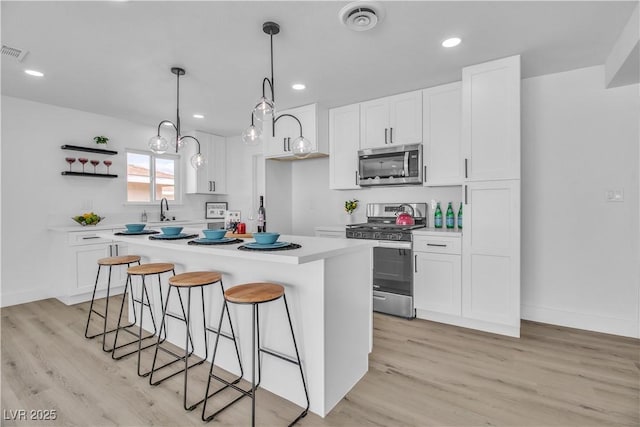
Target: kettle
{"x": 404, "y": 218}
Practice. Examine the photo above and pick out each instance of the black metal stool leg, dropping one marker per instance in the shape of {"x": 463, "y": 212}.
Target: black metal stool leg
{"x": 93, "y": 297}
{"x": 253, "y": 364}
{"x": 295, "y": 346}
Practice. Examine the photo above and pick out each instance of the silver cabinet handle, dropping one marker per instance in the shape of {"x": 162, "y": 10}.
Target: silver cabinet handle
{"x": 288, "y": 143}
{"x": 356, "y": 177}
{"x": 385, "y": 136}
{"x": 435, "y": 244}
{"x": 90, "y": 237}
{"x": 209, "y": 185}
{"x": 214, "y": 185}
{"x": 390, "y": 135}
{"x": 284, "y": 144}
{"x": 466, "y": 164}
{"x": 415, "y": 263}
{"x": 424, "y": 178}
{"x": 465, "y": 195}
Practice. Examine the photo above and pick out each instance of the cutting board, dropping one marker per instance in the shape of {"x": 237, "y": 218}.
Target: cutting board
{"x": 239, "y": 236}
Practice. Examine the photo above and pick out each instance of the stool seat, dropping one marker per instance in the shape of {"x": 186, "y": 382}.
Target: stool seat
{"x": 119, "y": 260}
{"x": 151, "y": 268}
{"x": 254, "y": 293}
{"x": 195, "y": 278}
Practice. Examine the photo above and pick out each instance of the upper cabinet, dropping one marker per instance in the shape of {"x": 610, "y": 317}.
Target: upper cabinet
{"x": 392, "y": 120}
{"x": 314, "y": 128}
{"x": 442, "y": 152}
{"x": 491, "y": 120}
{"x": 344, "y": 142}
{"x": 212, "y": 178}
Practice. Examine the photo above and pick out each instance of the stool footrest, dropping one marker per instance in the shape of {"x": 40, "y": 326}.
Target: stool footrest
{"x": 222, "y": 333}
{"x": 128, "y": 344}
{"x": 111, "y": 330}
{"x": 279, "y": 355}
{"x": 181, "y": 359}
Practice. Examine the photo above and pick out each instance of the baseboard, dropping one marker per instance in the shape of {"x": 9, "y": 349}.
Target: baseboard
{"x": 15, "y": 298}
{"x": 589, "y": 322}
{"x": 86, "y": 296}
{"x": 450, "y": 319}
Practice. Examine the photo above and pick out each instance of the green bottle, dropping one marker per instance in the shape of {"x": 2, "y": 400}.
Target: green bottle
{"x": 451, "y": 220}
{"x": 437, "y": 223}
{"x": 460, "y": 217}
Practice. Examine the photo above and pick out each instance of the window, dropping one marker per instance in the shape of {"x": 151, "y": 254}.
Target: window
{"x": 150, "y": 177}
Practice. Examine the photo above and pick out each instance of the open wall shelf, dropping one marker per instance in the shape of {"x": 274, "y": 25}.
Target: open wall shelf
{"x": 96, "y": 175}
{"x": 89, "y": 149}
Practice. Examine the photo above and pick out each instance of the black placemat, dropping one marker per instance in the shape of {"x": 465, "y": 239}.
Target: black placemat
{"x": 289, "y": 247}
{"x": 188, "y": 236}
{"x": 213, "y": 242}
{"x": 138, "y": 233}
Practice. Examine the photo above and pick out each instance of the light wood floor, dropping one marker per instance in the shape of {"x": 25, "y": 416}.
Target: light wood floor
{"x": 421, "y": 374}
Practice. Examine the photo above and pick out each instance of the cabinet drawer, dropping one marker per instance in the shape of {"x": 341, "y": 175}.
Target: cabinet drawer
{"x": 86, "y": 238}
{"x": 440, "y": 245}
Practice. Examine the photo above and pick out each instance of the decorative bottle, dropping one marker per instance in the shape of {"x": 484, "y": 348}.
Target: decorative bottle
{"x": 437, "y": 220}
{"x": 451, "y": 220}
{"x": 460, "y": 217}
{"x": 262, "y": 217}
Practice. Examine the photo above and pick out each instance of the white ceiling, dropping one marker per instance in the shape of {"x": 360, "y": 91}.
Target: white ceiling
{"x": 114, "y": 57}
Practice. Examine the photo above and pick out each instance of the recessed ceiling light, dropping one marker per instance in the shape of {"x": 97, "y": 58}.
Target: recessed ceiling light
{"x": 452, "y": 42}
{"x": 34, "y": 73}
{"x": 299, "y": 86}
{"x": 198, "y": 116}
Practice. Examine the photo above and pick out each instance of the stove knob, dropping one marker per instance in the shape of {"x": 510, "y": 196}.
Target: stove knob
{"x": 358, "y": 235}
{"x": 377, "y": 236}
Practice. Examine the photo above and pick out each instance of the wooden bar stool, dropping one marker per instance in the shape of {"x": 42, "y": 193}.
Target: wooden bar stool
{"x": 107, "y": 262}
{"x": 254, "y": 294}
{"x": 141, "y": 271}
{"x": 188, "y": 281}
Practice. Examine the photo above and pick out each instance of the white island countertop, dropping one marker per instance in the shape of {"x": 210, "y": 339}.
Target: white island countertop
{"x": 313, "y": 248}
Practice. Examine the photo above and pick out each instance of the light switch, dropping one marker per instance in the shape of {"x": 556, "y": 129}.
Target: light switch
{"x": 616, "y": 195}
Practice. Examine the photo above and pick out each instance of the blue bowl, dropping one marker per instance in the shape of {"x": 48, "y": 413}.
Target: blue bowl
{"x": 135, "y": 228}
{"x": 214, "y": 234}
{"x": 171, "y": 231}
{"x": 266, "y": 238}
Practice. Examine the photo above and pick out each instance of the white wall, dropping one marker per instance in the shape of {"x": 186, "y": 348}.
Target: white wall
{"x": 35, "y": 194}
{"x": 580, "y": 253}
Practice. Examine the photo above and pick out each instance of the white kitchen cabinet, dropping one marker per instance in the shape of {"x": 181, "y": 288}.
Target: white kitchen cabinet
{"x": 212, "y": 178}
{"x": 491, "y": 255}
{"x": 79, "y": 256}
{"x": 491, "y": 120}
{"x": 442, "y": 129}
{"x": 344, "y": 142}
{"x": 314, "y": 128}
{"x": 391, "y": 120}
{"x": 437, "y": 279}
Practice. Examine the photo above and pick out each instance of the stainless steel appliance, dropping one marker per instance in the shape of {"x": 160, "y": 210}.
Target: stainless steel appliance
{"x": 393, "y": 165}
{"x": 392, "y": 259}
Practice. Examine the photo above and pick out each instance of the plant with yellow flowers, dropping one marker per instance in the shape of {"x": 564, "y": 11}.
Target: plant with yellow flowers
{"x": 350, "y": 206}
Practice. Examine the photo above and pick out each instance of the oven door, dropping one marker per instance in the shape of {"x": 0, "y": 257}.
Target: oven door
{"x": 393, "y": 279}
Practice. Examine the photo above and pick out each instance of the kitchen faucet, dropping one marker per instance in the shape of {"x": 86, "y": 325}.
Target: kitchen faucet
{"x": 162, "y": 215}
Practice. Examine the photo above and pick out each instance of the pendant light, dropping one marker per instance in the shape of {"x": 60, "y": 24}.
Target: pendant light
{"x": 301, "y": 147}
{"x": 160, "y": 145}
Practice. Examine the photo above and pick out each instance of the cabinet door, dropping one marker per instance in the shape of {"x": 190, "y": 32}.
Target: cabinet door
{"x": 85, "y": 260}
{"x": 442, "y": 151}
{"x": 491, "y": 253}
{"x": 491, "y": 119}
{"x": 344, "y": 141}
{"x": 287, "y": 130}
{"x": 437, "y": 283}
{"x": 217, "y": 165}
{"x": 405, "y": 118}
{"x": 374, "y": 123}
{"x": 196, "y": 180}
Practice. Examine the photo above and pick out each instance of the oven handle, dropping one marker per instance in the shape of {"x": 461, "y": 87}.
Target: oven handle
{"x": 394, "y": 245}
{"x": 379, "y": 297}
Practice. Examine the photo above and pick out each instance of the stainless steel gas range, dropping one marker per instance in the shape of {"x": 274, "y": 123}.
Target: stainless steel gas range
{"x": 392, "y": 259}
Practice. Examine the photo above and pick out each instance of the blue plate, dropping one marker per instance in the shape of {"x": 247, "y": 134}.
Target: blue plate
{"x": 254, "y": 245}
{"x": 223, "y": 240}
{"x": 175, "y": 236}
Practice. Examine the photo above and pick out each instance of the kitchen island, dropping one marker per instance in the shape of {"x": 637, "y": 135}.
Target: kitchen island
{"x": 328, "y": 288}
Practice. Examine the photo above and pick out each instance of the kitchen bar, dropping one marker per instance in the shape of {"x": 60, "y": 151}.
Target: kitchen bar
{"x": 328, "y": 286}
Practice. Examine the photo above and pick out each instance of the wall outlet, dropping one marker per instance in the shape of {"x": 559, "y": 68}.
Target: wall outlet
{"x": 616, "y": 195}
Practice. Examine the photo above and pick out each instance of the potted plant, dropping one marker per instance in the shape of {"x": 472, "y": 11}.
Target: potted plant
{"x": 101, "y": 139}
{"x": 349, "y": 207}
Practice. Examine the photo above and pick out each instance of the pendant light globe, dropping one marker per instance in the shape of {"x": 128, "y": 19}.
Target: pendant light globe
{"x": 251, "y": 135}
{"x": 264, "y": 108}
{"x": 158, "y": 144}
{"x": 301, "y": 147}
{"x": 198, "y": 161}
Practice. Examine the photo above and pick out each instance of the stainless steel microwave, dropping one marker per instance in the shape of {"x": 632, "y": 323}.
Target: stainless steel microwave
{"x": 397, "y": 165}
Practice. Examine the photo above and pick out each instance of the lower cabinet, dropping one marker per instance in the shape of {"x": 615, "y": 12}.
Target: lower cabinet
{"x": 80, "y": 260}
{"x": 437, "y": 284}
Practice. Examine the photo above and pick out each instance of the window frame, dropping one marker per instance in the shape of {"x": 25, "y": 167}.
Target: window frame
{"x": 152, "y": 173}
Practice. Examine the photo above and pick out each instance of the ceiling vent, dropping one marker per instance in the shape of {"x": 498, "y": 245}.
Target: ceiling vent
{"x": 361, "y": 15}
{"x": 15, "y": 52}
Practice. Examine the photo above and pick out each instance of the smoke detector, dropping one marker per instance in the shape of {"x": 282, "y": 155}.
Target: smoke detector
{"x": 361, "y": 15}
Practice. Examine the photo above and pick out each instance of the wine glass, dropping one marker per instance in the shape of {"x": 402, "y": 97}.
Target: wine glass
{"x": 70, "y": 160}
{"x": 95, "y": 163}
{"x": 83, "y": 161}
{"x": 107, "y": 164}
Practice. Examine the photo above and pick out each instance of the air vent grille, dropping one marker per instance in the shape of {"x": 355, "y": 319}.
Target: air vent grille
{"x": 17, "y": 53}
